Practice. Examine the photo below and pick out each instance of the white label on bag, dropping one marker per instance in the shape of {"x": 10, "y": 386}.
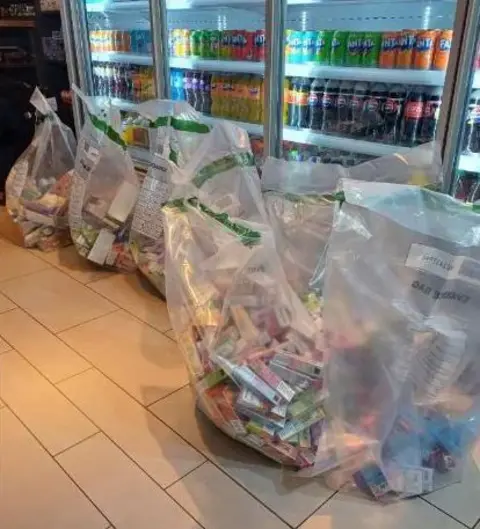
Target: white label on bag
{"x": 102, "y": 247}
{"x": 52, "y": 101}
{"x": 432, "y": 260}
{"x": 18, "y": 177}
{"x": 148, "y": 219}
{"x": 123, "y": 202}
{"x": 44, "y": 220}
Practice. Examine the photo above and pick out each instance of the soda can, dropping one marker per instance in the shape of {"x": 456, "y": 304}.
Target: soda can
{"x": 171, "y": 47}
{"x": 288, "y": 45}
{"x": 339, "y": 48}
{"x": 195, "y": 42}
{"x": 250, "y": 48}
{"x": 260, "y": 45}
{"x": 296, "y": 43}
{"x": 389, "y": 50}
{"x": 323, "y": 47}
{"x": 236, "y": 44}
{"x": 214, "y": 47}
{"x": 225, "y": 45}
{"x": 406, "y": 48}
{"x": 442, "y": 50}
{"x": 354, "y": 48}
{"x": 372, "y": 43}
{"x": 424, "y": 49}
{"x": 185, "y": 42}
{"x": 308, "y": 46}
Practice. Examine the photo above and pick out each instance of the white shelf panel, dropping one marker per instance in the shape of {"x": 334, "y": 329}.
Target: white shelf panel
{"x": 110, "y": 7}
{"x": 192, "y": 4}
{"x": 374, "y": 75}
{"x": 119, "y": 57}
{"x": 344, "y": 144}
{"x": 251, "y": 128}
{"x": 192, "y": 63}
{"x": 470, "y": 163}
{"x": 476, "y": 80}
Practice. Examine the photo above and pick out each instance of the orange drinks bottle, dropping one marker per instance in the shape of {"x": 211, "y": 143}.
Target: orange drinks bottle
{"x": 406, "y": 48}
{"x": 389, "y": 49}
{"x": 442, "y": 50}
{"x": 424, "y": 49}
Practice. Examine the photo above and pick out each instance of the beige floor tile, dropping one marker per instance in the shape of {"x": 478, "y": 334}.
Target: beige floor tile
{"x": 69, "y": 261}
{"x": 17, "y": 262}
{"x": 127, "y": 496}
{"x": 347, "y": 511}
{"x": 292, "y": 499}
{"x": 55, "y": 299}
{"x": 217, "y": 502}
{"x": 40, "y": 347}
{"x": 55, "y": 422}
{"x": 5, "y": 303}
{"x": 461, "y": 500}
{"x": 134, "y": 294}
{"x": 35, "y": 493}
{"x": 4, "y": 346}
{"x": 141, "y": 360}
{"x": 2, "y": 405}
{"x": 163, "y": 455}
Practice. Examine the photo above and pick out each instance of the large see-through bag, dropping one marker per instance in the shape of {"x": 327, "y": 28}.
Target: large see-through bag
{"x": 254, "y": 354}
{"x": 104, "y": 191}
{"x": 38, "y": 185}
{"x": 300, "y": 206}
{"x": 401, "y": 304}
{"x": 176, "y": 130}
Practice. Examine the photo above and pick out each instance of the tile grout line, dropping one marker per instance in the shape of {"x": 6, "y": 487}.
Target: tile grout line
{"x": 187, "y": 474}
{"x": 444, "y": 512}
{"x": 334, "y": 493}
{"x": 8, "y": 310}
{"x": 56, "y": 454}
{"x": 73, "y": 376}
{"x": 165, "y": 396}
{"x": 56, "y": 462}
{"x": 22, "y": 276}
{"x": 56, "y": 333}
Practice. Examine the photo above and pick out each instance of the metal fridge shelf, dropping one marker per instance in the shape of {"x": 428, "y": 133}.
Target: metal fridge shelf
{"x": 251, "y": 128}
{"x": 193, "y": 63}
{"x": 345, "y": 144}
{"x": 470, "y": 163}
{"x": 121, "y": 57}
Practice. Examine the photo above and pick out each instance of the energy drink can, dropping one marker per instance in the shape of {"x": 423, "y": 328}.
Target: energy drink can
{"x": 323, "y": 47}
{"x": 339, "y": 48}
{"x": 354, "y": 49}
{"x": 442, "y": 50}
{"x": 372, "y": 43}
{"x": 424, "y": 49}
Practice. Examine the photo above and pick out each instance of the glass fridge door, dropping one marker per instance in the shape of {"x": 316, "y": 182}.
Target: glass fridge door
{"x": 120, "y": 40}
{"x": 217, "y": 53}
{"x": 363, "y": 78}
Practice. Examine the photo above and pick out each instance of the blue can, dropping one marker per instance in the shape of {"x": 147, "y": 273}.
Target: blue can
{"x": 296, "y": 44}
{"x": 308, "y": 45}
{"x": 148, "y": 42}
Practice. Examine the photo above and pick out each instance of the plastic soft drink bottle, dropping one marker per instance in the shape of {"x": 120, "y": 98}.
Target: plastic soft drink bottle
{"x": 206, "y": 92}
{"x": 344, "y": 106}
{"x": 360, "y": 94}
{"x": 197, "y": 98}
{"x": 292, "y": 102}
{"x": 255, "y": 90}
{"x": 179, "y": 86}
{"x": 394, "y": 106}
{"x": 431, "y": 114}
{"x": 188, "y": 87}
{"x": 286, "y": 88}
{"x": 330, "y": 106}
{"x": 315, "y": 109}
{"x": 215, "y": 87}
{"x": 472, "y": 125}
{"x": 303, "y": 92}
{"x": 373, "y": 111}
{"x": 412, "y": 117}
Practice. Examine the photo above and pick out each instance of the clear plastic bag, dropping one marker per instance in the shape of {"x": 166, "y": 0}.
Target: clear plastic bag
{"x": 300, "y": 206}
{"x": 146, "y": 236}
{"x": 104, "y": 191}
{"x": 254, "y": 355}
{"x": 401, "y": 295}
{"x": 38, "y": 186}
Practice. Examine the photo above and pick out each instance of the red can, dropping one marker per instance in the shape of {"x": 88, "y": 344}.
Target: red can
{"x": 248, "y": 53}
{"x": 235, "y": 53}
{"x": 260, "y": 45}
{"x": 239, "y": 44}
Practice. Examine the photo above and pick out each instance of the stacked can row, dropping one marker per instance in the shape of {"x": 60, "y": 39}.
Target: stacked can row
{"x": 394, "y": 114}
{"x": 131, "y": 41}
{"x": 236, "y": 44}
{"x": 123, "y": 81}
{"x": 420, "y": 50}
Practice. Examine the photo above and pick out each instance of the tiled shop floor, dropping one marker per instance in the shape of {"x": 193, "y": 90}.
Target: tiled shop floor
{"x": 98, "y": 428}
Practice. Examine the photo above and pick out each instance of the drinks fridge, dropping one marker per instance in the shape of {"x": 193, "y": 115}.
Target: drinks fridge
{"x": 324, "y": 80}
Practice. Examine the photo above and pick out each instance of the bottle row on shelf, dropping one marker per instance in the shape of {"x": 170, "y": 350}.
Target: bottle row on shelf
{"x": 230, "y": 45}
{"x": 123, "y": 81}
{"x": 417, "y": 49}
{"x": 300, "y": 152}
{"x": 396, "y": 115}
{"x": 126, "y": 41}
{"x": 471, "y": 137}
{"x": 231, "y": 96}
